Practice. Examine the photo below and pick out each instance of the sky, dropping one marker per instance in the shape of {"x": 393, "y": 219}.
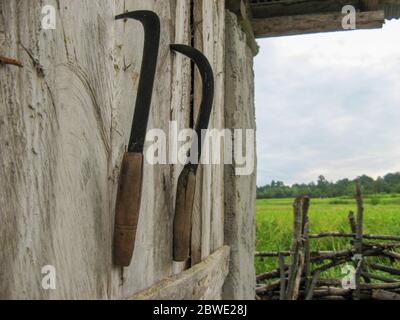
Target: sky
{"x": 328, "y": 104}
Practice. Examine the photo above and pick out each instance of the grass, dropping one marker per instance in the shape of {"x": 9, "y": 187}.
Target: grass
{"x": 275, "y": 219}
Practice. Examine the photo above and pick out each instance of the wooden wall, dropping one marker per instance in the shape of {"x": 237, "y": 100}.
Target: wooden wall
{"x": 240, "y": 191}
{"x": 63, "y": 132}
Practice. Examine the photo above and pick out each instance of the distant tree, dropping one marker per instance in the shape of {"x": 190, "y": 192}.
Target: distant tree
{"x": 323, "y": 188}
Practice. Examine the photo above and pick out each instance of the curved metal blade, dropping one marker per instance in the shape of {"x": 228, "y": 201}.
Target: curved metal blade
{"x": 151, "y": 26}
{"x": 207, "y": 77}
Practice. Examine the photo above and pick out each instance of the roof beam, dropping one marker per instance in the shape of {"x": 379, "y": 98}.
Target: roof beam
{"x": 269, "y": 9}
{"x": 313, "y": 23}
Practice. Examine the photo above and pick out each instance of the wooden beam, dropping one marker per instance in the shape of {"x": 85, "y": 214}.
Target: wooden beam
{"x": 313, "y": 23}
{"x": 370, "y": 5}
{"x": 241, "y": 8}
{"x": 233, "y": 5}
{"x": 203, "y": 281}
{"x": 298, "y": 7}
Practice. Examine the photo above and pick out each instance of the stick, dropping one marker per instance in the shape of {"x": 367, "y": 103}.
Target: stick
{"x": 353, "y": 235}
{"x": 384, "y": 295}
{"x": 270, "y": 275}
{"x": 333, "y": 298}
{"x": 358, "y": 243}
{"x": 310, "y": 291}
{"x": 262, "y": 289}
{"x": 340, "y": 257}
{"x": 282, "y": 295}
{"x": 360, "y": 216}
{"x": 382, "y": 246}
{"x": 391, "y": 255}
{"x": 315, "y": 255}
{"x": 329, "y": 283}
{"x": 297, "y": 257}
{"x": 321, "y": 255}
{"x": 332, "y": 292}
{"x": 352, "y": 221}
{"x": 377, "y": 277}
{"x": 10, "y": 61}
{"x": 393, "y": 271}
{"x": 307, "y": 257}
{"x": 307, "y": 254}
{"x": 305, "y": 208}
{"x": 382, "y": 286}
{"x": 269, "y": 287}
{"x": 324, "y": 292}
{"x": 272, "y": 254}
{"x": 331, "y": 265}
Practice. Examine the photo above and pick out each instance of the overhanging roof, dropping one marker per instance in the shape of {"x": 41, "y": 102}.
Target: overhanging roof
{"x": 286, "y": 17}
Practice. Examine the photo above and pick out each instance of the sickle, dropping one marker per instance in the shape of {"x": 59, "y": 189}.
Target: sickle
{"x": 187, "y": 179}
{"x": 131, "y": 177}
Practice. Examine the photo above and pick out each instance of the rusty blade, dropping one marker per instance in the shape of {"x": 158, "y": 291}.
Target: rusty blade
{"x": 207, "y": 100}
{"x": 151, "y": 26}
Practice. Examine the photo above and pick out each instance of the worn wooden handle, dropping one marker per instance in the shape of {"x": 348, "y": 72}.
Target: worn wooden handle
{"x": 127, "y": 208}
{"x": 183, "y": 214}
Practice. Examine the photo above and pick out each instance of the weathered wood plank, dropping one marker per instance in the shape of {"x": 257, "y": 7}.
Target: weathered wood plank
{"x": 64, "y": 130}
{"x": 209, "y": 35}
{"x": 55, "y": 124}
{"x": 240, "y": 191}
{"x": 313, "y": 23}
{"x": 202, "y": 282}
{"x": 197, "y": 215}
{"x": 152, "y": 259}
{"x": 181, "y": 92}
{"x": 297, "y": 7}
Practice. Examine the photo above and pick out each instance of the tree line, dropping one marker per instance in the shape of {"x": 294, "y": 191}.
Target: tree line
{"x": 323, "y": 188}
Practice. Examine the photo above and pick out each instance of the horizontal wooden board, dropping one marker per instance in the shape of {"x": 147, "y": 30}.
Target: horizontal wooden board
{"x": 202, "y": 282}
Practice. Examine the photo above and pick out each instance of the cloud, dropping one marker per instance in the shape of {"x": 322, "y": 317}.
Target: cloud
{"x": 328, "y": 104}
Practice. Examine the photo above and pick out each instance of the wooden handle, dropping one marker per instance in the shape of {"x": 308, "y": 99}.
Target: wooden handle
{"x": 183, "y": 214}
{"x": 127, "y": 208}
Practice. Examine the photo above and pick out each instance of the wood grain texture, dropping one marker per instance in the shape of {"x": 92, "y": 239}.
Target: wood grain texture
{"x": 55, "y": 145}
{"x": 313, "y": 23}
{"x": 64, "y": 125}
{"x": 152, "y": 259}
{"x": 203, "y": 281}
{"x": 183, "y": 214}
{"x": 298, "y": 7}
{"x": 240, "y": 191}
{"x": 181, "y": 104}
{"x": 208, "y": 213}
{"x": 127, "y": 209}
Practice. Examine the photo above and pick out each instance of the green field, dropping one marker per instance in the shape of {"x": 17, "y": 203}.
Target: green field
{"x": 275, "y": 219}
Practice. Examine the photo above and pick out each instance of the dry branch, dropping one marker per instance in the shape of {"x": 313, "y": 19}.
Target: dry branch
{"x": 297, "y": 251}
{"x": 310, "y": 290}
{"x": 282, "y": 295}
{"x": 353, "y": 235}
{"x": 360, "y": 216}
{"x": 10, "y": 61}
{"x": 380, "y": 267}
{"x": 372, "y": 276}
{"x": 298, "y": 280}
{"x": 391, "y": 255}
{"x": 384, "y": 295}
{"x": 381, "y": 286}
{"x": 269, "y": 287}
{"x": 352, "y": 221}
